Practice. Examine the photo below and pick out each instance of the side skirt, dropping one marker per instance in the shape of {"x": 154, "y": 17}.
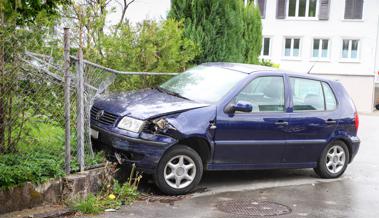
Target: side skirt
{"x": 221, "y": 166}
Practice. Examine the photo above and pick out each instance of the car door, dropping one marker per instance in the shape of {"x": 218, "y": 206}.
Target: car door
{"x": 243, "y": 139}
{"x": 312, "y": 122}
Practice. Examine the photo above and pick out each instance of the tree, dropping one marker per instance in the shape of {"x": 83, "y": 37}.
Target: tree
{"x": 224, "y": 29}
{"x": 15, "y": 15}
{"x": 149, "y": 46}
{"x": 252, "y": 33}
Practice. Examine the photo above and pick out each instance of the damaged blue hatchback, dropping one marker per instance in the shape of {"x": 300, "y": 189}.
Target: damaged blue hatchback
{"x": 224, "y": 116}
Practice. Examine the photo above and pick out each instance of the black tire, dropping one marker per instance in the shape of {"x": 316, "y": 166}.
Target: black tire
{"x": 377, "y": 107}
{"x": 323, "y": 170}
{"x": 179, "y": 150}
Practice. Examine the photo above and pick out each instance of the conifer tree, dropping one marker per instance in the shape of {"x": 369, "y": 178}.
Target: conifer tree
{"x": 225, "y": 30}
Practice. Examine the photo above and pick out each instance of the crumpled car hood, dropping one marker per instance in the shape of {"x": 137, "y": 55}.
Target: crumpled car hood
{"x": 144, "y": 104}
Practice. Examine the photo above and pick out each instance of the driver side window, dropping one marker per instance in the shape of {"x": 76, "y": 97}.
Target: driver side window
{"x": 266, "y": 94}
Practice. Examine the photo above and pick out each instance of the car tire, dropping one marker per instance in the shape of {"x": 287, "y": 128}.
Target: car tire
{"x": 179, "y": 171}
{"x": 333, "y": 161}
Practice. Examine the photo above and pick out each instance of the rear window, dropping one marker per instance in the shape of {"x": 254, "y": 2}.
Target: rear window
{"x": 312, "y": 95}
{"x": 330, "y": 99}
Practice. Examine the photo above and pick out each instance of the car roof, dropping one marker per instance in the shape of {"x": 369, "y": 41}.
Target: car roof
{"x": 251, "y": 68}
{"x": 243, "y": 68}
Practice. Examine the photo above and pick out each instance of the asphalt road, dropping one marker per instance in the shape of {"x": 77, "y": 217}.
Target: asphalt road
{"x": 356, "y": 194}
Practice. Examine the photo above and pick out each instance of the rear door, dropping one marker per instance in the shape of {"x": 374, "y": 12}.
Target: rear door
{"x": 312, "y": 122}
{"x": 256, "y": 137}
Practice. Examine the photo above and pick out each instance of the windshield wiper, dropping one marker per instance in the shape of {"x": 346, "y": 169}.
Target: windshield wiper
{"x": 171, "y": 93}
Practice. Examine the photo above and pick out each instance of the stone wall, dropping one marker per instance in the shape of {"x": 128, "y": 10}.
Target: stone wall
{"x": 53, "y": 191}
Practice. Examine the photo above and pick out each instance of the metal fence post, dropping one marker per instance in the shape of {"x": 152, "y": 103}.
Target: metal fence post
{"x": 80, "y": 103}
{"x": 67, "y": 105}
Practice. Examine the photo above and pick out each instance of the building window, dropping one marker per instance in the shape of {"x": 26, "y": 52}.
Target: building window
{"x": 266, "y": 46}
{"x": 320, "y": 48}
{"x": 302, "y": 8}
{"x": 350, "y": 49}
{"x": 262, "y": 7}
{"x": 353, "y": 9}
{"x": 292, "y": 47}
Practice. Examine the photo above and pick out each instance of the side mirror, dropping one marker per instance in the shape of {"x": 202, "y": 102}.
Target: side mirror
{"x": 241, "y": 106}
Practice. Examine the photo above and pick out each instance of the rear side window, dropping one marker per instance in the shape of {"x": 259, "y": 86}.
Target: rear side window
{"x": 330, "y": 99}
{"x": 266, "y": 94}
{"x": 312, "y": 95}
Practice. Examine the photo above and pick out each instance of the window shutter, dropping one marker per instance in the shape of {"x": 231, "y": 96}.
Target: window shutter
{"x": 349, "y": 4}
{"x": 324, "y": 10}
{"x": 262, "y": 7}
{"x": 358, "y": 9}
{"x": 281, "y": 9}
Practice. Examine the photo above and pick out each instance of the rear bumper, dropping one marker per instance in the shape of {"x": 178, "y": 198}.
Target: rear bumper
{"x": 355, "y": 143}
{"x": 144, "y": 151}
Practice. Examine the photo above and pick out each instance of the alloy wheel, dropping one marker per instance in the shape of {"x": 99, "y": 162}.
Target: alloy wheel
{"x": 335, "y": 159}
{"x": 180, "y": 171}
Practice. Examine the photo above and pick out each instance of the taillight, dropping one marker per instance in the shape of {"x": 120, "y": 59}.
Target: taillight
{"x": 356, "y": 120}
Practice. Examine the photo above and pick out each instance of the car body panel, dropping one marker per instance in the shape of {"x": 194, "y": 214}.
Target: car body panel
{"x": 144, "y": 104}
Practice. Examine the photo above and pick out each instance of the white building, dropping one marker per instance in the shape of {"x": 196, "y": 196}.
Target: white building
{"x": 338, "y": 38}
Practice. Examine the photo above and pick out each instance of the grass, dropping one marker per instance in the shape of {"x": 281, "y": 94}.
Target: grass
{"x": 112, "y": 199}
{"x": 40, "y": 157}
{"x": 88, "y": 205}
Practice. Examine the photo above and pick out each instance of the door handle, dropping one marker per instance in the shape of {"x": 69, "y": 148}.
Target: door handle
{"x": 331, "y": 121}
{"x": 281, "y": 123}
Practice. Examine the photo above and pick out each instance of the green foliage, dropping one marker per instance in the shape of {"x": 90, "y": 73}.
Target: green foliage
{"x": 89, "y": 205}
{"x": 40, "y": 159}
{"x": 125, "y": 192}
{"x": 268, "y": 63}
{"x": 252, "y": 34}
{"x": 121, "y": 194}
{"x": 151, "y": 46}
{"x": 26, "y": 11}
{"x": 224, "y": 29}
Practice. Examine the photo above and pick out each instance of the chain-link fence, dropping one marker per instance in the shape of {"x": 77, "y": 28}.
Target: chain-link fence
{"x": 35, "y": 112}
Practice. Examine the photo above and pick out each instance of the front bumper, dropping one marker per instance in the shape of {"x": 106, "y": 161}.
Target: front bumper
{"x": 145, "y": 150}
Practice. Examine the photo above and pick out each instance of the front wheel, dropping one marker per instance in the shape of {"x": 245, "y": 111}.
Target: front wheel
{"x": 179, "y": 171}
{"x": 333, "y": 161}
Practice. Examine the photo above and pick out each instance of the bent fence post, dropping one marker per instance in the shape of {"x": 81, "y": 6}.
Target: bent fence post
{"x": 67, "y": 106}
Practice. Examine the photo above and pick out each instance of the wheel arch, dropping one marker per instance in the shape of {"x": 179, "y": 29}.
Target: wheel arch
{"x": 347, "y": 143}
{"x": 200, "y": 145}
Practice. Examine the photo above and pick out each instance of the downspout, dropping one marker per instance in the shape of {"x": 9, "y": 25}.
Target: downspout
{"x": 376, "y": 61}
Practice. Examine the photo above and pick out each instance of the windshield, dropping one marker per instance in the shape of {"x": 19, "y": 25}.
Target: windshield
{"x": 203, "y": 84}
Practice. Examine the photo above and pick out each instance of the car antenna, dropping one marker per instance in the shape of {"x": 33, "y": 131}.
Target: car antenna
{"x": 310, "y": 69}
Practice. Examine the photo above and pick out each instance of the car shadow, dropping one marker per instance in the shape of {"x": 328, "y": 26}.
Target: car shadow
{"x": 248, "y": 176}
{"x": 214, "y": 180}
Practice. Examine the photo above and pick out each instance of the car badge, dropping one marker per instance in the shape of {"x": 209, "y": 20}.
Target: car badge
{"x": 99, "y": 115}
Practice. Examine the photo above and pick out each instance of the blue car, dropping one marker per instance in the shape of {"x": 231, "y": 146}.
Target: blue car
{"x": 224, "y": 116}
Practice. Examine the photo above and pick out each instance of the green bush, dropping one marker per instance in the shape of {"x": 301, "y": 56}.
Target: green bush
{"x": 150, "y": 46}
{"x": 225, "y": 30}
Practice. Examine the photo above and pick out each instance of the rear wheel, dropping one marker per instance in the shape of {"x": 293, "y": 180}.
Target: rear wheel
{"x": 333, "y": 161}
{"x": 179, "y": 171}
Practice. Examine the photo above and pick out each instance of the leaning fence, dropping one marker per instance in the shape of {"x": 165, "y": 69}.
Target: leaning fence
{"x": 50, "y": 101}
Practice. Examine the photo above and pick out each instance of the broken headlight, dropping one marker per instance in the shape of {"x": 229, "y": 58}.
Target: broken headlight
{"x": 162, "y": 125}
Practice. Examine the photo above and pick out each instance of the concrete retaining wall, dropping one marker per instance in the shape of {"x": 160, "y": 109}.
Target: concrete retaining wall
{"x": 54, "y": 191}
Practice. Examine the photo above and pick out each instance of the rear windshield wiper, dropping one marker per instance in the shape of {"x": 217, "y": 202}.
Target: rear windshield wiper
{"x": 171, "y": 92}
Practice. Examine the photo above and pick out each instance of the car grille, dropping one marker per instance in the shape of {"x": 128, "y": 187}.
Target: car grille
{"x": 106, "y": 118}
